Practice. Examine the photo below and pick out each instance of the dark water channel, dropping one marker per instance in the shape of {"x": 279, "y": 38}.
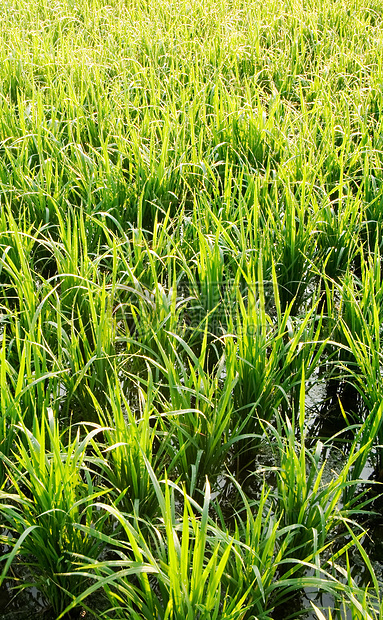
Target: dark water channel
{"x": 327, "y": 419}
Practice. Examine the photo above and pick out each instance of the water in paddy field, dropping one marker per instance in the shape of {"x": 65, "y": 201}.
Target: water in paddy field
{"x": 20, "y": 607}
{"x": 325, "y": 419}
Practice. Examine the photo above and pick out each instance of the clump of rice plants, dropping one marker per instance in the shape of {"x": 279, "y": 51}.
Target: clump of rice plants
{"x": 46, "y": 502}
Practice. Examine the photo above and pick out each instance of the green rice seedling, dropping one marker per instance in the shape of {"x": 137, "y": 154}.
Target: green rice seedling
{"x": 294, "y": 245}
{"x": 130, "y": 439}
{"x": 186, "y": 554}
{"x": 74, "y": 321}
{"x": 195, "y": 563}
{"x": 187, "y": 565}
{"x": 74, "y": 266}
{"x": 372, "y": 224}
{"x": 210, "y": 269}
{"x": 266, "y": 562}
{"x": 196, "y": 408}
{"x": 201, "y": 253}
{"x": 148, "y": 307}
{"x": 255, "y": 563}
{"x": 303, "y": 499}
{"x": 24, "y": 312}
{"x": 32, "y": 372}
{"x": 25, "y": 391}
{"x": 153, "y": 314}
{"x": 359, "y": 332}
{"x": 17, "y": 243}
{"x": 10, "y": 413}
{"x": 268, "y": 351}
{"x": 338, "y": 238}
{"x": 88, "y": 348}
{"x": 17, "y": 277}
{"x": 43, "y": 340}
{"x": 50, "y": 493}
{"x": 359, "y": 359}
{"x": 361, "y": 308}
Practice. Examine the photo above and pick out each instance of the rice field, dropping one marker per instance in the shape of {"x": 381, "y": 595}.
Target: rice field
{"x": 191, "y": 309}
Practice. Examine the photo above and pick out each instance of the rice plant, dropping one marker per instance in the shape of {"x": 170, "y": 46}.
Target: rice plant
{"x": 48, "y": 499}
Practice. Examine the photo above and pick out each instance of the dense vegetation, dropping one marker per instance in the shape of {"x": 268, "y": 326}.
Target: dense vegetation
{"x": 190, "y": 259}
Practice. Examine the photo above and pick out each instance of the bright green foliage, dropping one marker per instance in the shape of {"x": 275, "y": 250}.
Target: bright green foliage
{"x": 190, "y": 242}
{"x": 50, "y": 499}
